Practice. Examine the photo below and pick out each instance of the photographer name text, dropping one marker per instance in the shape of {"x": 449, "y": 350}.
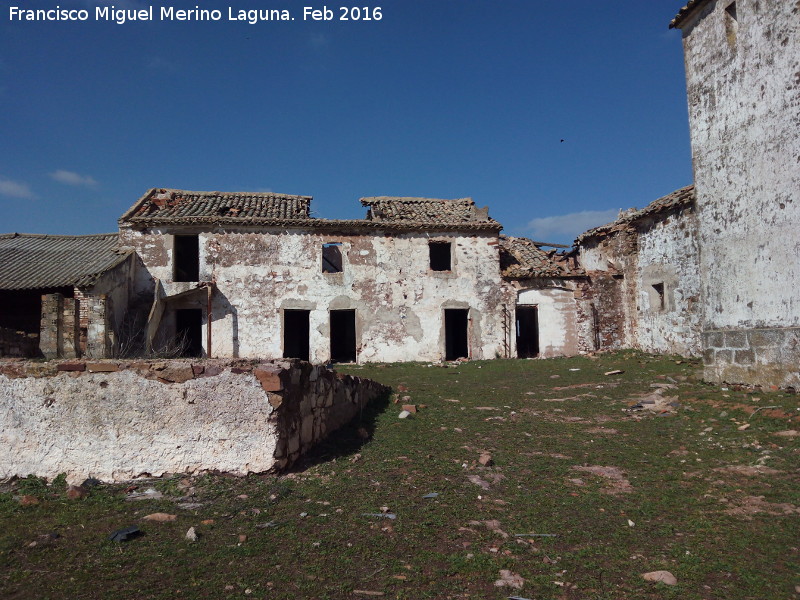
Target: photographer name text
{"x": 120, "y": 16}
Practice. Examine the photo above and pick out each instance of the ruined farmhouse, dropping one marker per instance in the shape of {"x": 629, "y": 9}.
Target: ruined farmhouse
{"x": 709, "y": 269}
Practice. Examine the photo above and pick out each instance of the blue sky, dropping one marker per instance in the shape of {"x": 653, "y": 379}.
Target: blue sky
{"x": 439, "y": 98}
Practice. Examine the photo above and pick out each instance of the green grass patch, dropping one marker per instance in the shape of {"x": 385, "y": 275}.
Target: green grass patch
{"x": 712, "y": 502}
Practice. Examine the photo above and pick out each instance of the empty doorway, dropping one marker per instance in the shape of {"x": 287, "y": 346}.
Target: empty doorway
{"x": 295, "y": 334}
{"x": 189, "y": 331}
{"x": 343, "y": 336}
{"x": 456, "y": 330}
{"x": 527, "y": 331}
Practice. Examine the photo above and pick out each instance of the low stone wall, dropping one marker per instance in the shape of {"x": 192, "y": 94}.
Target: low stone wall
{"x": 115, "y": 420}
{"x": 766, "y": 356}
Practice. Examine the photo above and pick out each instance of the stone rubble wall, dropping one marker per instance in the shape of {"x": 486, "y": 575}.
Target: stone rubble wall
{"x": 115, "y": 420}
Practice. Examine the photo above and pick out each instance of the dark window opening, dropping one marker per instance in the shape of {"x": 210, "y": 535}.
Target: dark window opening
{"x": 527, "y": 331}
{"x": 332, "y": 257}
{"x": 659, "y": 289}
{"x": 440, "y": 256}
{"x": 343, "y": 336}
{"x": 21, "y": 310}
{"x": 296, "y": 334}
{"x": 186, "y": 258}
{"x": 456, "y": 328}
{"x": 189, "y": 331}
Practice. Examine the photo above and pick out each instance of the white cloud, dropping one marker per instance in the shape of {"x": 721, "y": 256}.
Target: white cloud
{"x": 71, "y": 178}
{"x": 15, "y": 189}
{"x": 569, "y": 226}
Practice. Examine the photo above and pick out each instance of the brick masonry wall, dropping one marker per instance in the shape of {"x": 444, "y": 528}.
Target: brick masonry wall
{"x": 117, "y": 420}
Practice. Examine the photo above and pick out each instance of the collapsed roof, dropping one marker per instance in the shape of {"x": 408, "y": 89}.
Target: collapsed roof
{"x": 521, "y": 258}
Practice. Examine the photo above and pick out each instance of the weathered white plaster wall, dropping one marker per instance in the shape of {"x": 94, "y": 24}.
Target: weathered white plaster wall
{"x": 117, "y": 426}
{"x": 743, "y": 89}
{"x": 115, "y": 421}
{"x": 558, "y": 318}
{"x": 669, "y": 255}
{"x": 386, "y": 279}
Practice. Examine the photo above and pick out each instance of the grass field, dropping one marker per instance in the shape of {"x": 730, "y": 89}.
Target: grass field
{"x": 705, "y": 486}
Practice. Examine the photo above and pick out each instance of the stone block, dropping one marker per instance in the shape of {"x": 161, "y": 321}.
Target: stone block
{"x": 764, "y": 338}
{"x": 744, "y": 357}
{"x": 102, "y": 367}
{"x": 274, "y": 400}
{"x": 72, "y": 366}
{"x": 177, "y": 373}
{"x": 212, "y": 370}
{"x": 269, "y": 380}
{"x": 712, "y": 339}
{"x": 723, "y": 356}
{"x": 307, "y": 431}
{"x": 735, "y": 339}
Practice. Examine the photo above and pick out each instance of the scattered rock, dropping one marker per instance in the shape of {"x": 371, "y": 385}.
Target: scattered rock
{"x": 509, "y": 579}
{"x": 76, "y": 492}
{"x": 206, "y": 522}
{"x": 663, "y": 576}
{"x": 160, "y": 517}
{"x": 410, "y": 408}
{"x": 242, "y": 538}
{"x": 125, "y": 534}
{"x": 191, "y": 535}
{"x": 148, "y": 494}
{"x": 615, "y": 372}
{"x": 477, "y": 480}
{"x": 486, "y": 459}
{"x": 404, "y": 414}
{"x": 787, "y": 433}
{"x": 743, "y": 427}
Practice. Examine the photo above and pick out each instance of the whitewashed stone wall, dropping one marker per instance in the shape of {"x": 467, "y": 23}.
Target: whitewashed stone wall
{"x": 399, "y": 301}
{"x": 115, "y": 421}
{"x": 669, "y": 256}
{"x": 743, "y": 88}
{"x": 558, "y": 317}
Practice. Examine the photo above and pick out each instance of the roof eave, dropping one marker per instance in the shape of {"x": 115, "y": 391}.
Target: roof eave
{"x": 684, "y": 13}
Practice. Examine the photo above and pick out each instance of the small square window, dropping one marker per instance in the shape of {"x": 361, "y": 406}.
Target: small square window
{"x": 440, "y": 253}
{"x": 659, "y": 296}
{"x": 332, "y": 257}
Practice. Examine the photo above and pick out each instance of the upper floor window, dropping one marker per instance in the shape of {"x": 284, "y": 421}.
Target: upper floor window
{"x": 332, "y": 257}
{"x": 186, "y": 258}
{"x": 441, "y": 256}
